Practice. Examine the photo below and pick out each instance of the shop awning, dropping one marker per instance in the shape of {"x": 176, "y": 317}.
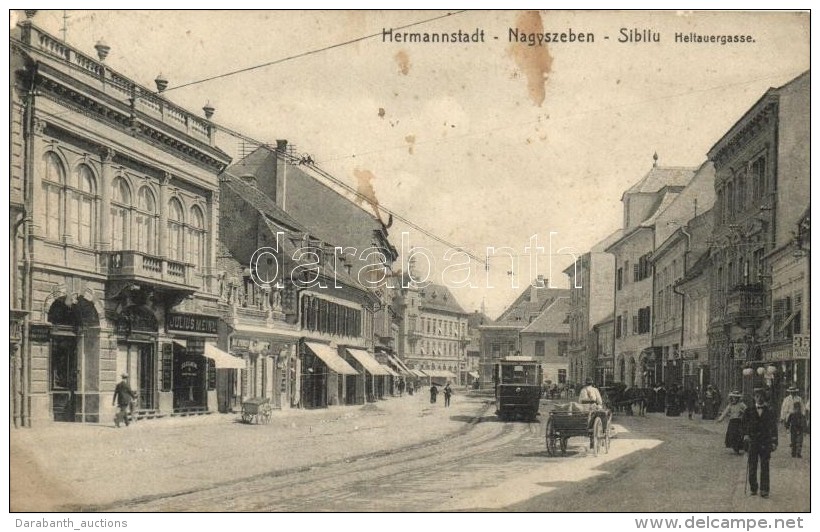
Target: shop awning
{"x": 473, "y": 374}
{"x": 400, "y": 369}
{"x": 371, "y": 365}
{"x": 439, "y": 373}
{"x": 223, "y": 360}
{"x": 334, "y": 361}
{"x": 419, "y": 373}
{"x": 390, "y": 371}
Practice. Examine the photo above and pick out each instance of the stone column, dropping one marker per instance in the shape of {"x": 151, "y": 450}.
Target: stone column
{"x": 106, "y": 179}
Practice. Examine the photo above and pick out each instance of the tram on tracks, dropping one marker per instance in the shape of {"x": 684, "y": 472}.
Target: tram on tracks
{"x": 517, "y": 381}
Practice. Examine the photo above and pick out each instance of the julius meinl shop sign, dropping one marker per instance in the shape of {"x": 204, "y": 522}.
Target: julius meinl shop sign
{"x": 191, "y": 323}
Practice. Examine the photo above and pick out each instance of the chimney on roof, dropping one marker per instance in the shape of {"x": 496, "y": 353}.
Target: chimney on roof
{"x": 281, "y": 145}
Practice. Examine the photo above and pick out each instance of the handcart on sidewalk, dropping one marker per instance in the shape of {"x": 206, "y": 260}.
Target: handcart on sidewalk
{"x": 257, "y": 409}
{"x": 574, "y": 419}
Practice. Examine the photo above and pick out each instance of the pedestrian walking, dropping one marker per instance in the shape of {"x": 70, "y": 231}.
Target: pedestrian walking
{"x": 760, "y": 437}
{"x": 401, "y": 387}
{"x": 787, "y": 407}
{"x": 796, "y": 423}
{"x": 691, "y": 398}
{"x": 448, "y": 392}
{"x": 123, "y": 397}
{"x": 711, "y": 402}
{"x": 734, "y": 411}
{"x": 433, "y": 393}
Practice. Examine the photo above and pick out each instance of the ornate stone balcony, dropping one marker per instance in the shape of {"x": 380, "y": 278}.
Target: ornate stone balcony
{"x": 746, "y": 305}
{"x": 144, "y": 268}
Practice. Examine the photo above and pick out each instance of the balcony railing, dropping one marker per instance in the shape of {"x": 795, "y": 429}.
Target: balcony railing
{"x": 746, "y": 305}
{"x": 111, "y": 82}
{"x": 139, "y": 266}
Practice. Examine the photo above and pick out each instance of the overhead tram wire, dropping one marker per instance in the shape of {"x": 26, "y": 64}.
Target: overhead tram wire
{"x": 347, "y": 188}
{"x": 310, "y": 52}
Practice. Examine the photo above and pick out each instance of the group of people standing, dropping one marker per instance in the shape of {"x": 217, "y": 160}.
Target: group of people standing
{"x": 448, "y": 393}
{"x": 755, "y": 430}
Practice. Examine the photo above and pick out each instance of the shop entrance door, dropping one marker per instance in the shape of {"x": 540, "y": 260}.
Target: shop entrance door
{"x": 147, "y": 376}
{"x": 64, "y": 377}
{"x": 189, "y": 379}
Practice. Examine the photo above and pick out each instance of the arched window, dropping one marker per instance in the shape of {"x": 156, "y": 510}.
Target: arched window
{"x": 176, "y": 248}
{"x": 83, "y": 215}
{"x": 146, "y": 221}
{"x": 53, "y": 182}
{"x": 196, "y": 240}
{"x": 120, "y": 214}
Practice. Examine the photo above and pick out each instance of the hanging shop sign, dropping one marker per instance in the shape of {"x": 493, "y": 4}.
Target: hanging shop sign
{"x": 801, "y": 344}
{"x": 778, "y": 354}
{"x": 191, "y": 323}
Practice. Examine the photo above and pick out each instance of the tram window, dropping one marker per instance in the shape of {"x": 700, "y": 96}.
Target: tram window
{"x": 518, "y": 374}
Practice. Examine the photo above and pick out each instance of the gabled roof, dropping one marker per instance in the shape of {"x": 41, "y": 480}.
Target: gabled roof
{"x": 553, "y": 320}
{"x": 601, "y": 246}
{"x": 524, "y": 306}
{"x": 662, "y": 176}
{"x": 476, "y": 319}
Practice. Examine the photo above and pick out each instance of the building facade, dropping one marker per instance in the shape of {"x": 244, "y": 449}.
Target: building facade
{"x": 434, "y": 337}
{"x": 761, "y": 190}
{"x": 546, "y": 339}
{"x": 592, "y": 298}
{"x": 636, "y": 363}
{"x": 115, "y": 241}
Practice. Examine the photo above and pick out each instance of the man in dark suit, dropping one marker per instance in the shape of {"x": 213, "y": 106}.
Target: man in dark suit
{"x": 760, "y": 437}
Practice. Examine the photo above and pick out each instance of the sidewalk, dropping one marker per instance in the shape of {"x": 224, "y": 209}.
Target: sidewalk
{"x": 790, "y": 478}
{"x": 65, "y": 466}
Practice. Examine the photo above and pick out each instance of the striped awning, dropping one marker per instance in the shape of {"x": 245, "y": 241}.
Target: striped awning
{"x": 334, "y": 361}
{"x": 439, "y": 373}
{"x": 390, "y": 371}
{"x": 370, "y": 364}
{"x": 473, "y": 374}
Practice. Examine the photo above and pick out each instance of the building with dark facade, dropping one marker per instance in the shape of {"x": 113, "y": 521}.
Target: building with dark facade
{"x": 761, "y": 196}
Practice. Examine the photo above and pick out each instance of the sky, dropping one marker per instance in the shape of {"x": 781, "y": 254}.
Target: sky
{"x": 484, "y": 143}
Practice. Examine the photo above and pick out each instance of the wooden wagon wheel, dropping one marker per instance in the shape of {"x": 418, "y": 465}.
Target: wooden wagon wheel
{"x": 597, "y": 435}
{"x": 607, "y": 430}
{"x": 564, "y": 446}
{"x": 551, "y": 438}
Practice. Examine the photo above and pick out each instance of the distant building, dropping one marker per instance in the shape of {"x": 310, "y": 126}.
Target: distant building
{"x": 474, "y": 322}
{"x": 591, "y": 280}
{"x": 603, "y": 343}
{"x": 501, "y": 338}
{"x": 434, "y": 337}
{"x": 546, "y": 340}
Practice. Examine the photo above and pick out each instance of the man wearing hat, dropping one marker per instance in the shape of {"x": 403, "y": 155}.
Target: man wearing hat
{"x": 760, "y": 437}
{"x": 788, "y": 403}
{"x": 123, "y": 396}
{"x": 589, "y": 394}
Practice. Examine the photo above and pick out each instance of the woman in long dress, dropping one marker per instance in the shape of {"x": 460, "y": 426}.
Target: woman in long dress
{"x": 734, "y": 432}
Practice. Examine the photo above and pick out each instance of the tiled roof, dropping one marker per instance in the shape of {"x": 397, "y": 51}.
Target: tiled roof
{"x": 524, "y": 307}
{"x": 260, "y": 201}
{"x": 438, "y": 297}
{"x": 662, "y": 176}
{"x": 553, "y": 320}
{"x": 667, "y": 200}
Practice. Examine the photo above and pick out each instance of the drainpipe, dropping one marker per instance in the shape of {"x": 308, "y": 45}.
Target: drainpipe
{"x": 28, "y": 244}
{"x": 681, "y": 294}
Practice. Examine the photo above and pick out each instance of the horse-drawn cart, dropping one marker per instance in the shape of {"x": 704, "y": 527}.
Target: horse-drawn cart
{"x": 257, "y": 408}
{"x": 574, "y": 419}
